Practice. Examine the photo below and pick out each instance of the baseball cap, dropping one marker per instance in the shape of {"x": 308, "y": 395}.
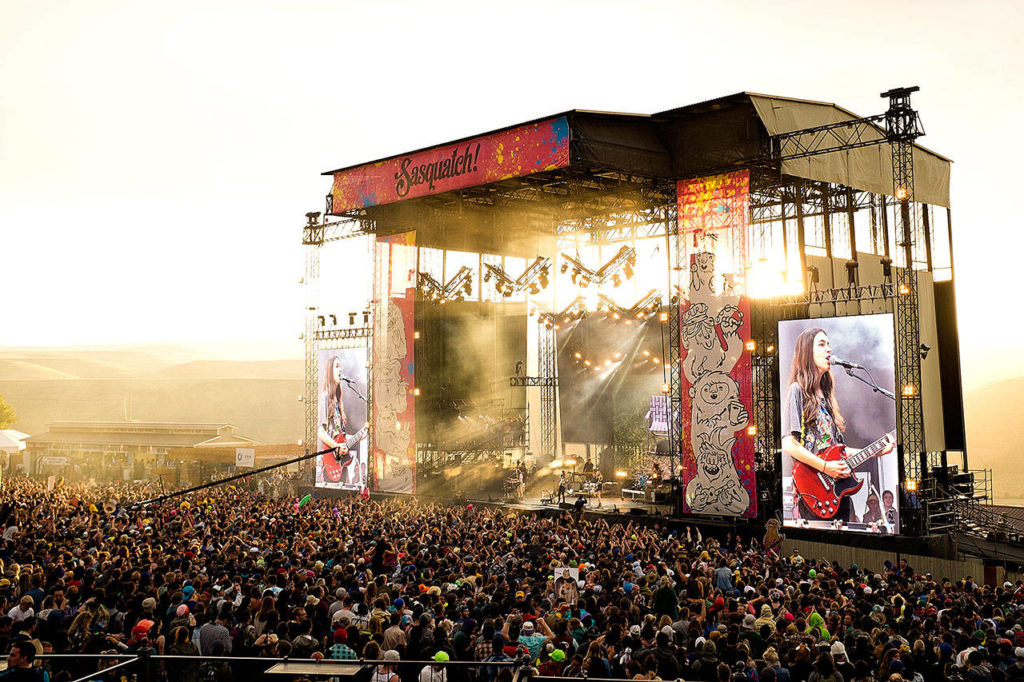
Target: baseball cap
{"x": 391, "y": 655}
{"x": 441, "y": 656}
{"x": 557, "y": 655}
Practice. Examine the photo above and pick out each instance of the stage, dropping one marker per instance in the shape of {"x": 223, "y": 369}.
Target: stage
{"x": 608, "y": 505}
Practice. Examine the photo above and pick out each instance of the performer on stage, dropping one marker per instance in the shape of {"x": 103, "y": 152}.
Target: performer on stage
{"x": 812, "y": 420}
{"x": 562, "y": 484}
{"x": 345, "y": 467}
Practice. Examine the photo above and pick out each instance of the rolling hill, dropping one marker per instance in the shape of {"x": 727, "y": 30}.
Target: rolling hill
{"x": 155, "y": 383}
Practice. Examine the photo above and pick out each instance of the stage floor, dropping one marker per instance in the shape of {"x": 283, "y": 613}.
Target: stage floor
{"x": 609, "y": 505}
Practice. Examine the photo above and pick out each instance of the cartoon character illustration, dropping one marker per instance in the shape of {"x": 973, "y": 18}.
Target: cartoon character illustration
{"x": 710, "y": 334}
{"x": 716, "y": 487}
{"x": 716, "y": 410}
{"x": 391, "y": 398}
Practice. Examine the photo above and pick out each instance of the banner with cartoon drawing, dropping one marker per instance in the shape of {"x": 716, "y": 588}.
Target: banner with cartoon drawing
{"x": 394, "y": 405}
{"x": 717, "y": 398}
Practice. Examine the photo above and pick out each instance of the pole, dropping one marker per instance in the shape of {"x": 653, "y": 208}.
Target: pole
{"x": 211, "y": 484}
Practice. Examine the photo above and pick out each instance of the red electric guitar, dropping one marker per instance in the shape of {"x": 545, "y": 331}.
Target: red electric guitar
{"x": 821, "y": 493}
{"x": 334, "y": 464}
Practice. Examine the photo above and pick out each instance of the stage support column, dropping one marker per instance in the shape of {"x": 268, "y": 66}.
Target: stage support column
{"x": 801, "y": 243}
{"x": 312, "y": 241}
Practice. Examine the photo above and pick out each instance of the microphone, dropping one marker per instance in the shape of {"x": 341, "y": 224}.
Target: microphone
{"x": 834, "y": 360}
{"x": 347, "y": 380}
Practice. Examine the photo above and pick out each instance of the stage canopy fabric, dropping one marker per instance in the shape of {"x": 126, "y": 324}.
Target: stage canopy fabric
{"x": 866, "y": 168}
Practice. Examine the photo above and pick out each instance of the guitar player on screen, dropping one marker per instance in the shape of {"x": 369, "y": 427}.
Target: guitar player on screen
{"x": 344, "y": 466}
{"x": 813, "y": 423}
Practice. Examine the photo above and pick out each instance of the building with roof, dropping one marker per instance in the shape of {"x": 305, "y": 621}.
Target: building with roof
{"x": 124, "y": 450}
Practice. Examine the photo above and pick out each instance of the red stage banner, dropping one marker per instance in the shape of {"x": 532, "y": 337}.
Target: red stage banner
{"x": 511, "y": 153}
{"x": 717, "y": 398}
{"x": 394, "y": 354}
{"x": 715, "y": 203}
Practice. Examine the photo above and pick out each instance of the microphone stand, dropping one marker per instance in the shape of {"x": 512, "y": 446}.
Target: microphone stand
{"x": 352, "y": 387}
{"x": 870, "y": 381}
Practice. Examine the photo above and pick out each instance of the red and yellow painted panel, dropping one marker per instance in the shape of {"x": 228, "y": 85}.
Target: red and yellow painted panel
{"x": 507, "y": 154}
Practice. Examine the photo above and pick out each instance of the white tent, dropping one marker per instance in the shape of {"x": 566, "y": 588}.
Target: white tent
{"x": 12, "y": 441}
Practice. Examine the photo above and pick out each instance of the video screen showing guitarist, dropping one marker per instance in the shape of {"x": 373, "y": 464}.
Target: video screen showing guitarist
{"x": 346, "y": 467}
{"x": 823, "y": 467}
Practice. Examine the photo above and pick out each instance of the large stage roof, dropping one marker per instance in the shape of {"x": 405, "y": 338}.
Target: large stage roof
{"x": 712, "y": 136}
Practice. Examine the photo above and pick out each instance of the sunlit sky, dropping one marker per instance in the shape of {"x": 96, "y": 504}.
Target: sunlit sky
{"x": 156, "y": 159}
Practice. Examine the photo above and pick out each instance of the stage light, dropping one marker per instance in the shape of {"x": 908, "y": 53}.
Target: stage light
{"x": 570, "y": 462}
{"x": 751, "y": 345}
{"x": 300, "y": 443}
{"x": 665, "y": 389}
{"x": 901, "y": 193}
{"x": 607, "y": 363}
{"x": 904, "y": 289}
{"x": 751, "y": 430}
{"x": 886, "y": 268}
{"x": 415, "y": 391}
{"x": 663, "y": 317}
{"x": 615, "y": 316}
{"x": 587, "y": 363}
{"x": 629, "y": 321}
{"x": 416, "y": 335}
{"x": 557, "y": 327}
{"x": 618, "y": 355}
{"x": 911, "y": 485}
{"x": 621, "y": 474}
{"x": 770, "y": 349}
{"x": 909, "y": 391}
{"x": 647, "y": 353}
{"x": 577, "y": 355}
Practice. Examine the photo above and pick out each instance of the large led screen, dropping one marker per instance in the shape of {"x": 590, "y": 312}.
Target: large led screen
{"x": 840, "y": 468}
{"x": 341, "y": 419}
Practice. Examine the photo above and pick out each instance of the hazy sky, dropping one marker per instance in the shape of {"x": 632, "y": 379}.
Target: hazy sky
{"x": 156, "y": 159}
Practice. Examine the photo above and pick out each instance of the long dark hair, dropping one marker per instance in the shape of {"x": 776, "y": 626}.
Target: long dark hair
{"x": 811, "y": 380}
{"x": 333, "y": 389}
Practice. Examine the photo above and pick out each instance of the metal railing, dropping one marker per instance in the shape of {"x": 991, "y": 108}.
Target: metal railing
{"x": 146, "y": 666}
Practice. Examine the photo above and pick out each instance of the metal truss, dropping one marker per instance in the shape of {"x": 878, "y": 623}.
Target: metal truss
{"x": 764, "y": 361}
{"x": 903, "y": 127}
{"x": 842, "y": 295}
{"x": 675, "y": 364}
{"x": 313, "y": 241}
{"x": 548, "y": 394}
{"x": 534, "y": 277}
{"x": 343, "y": 334}
{"x": 320, "y": 233}
{"x": 532, "y": 382}
{"x": 840, "y": 136}
{"x": 456, "y": 289}
{"x": 624, "y": 260}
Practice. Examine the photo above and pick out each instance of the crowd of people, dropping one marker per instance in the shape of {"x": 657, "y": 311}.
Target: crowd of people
{"x": 227, "y": 572}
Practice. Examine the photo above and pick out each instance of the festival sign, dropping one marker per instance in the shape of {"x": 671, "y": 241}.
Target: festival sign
{"x": 512, "y": 153}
